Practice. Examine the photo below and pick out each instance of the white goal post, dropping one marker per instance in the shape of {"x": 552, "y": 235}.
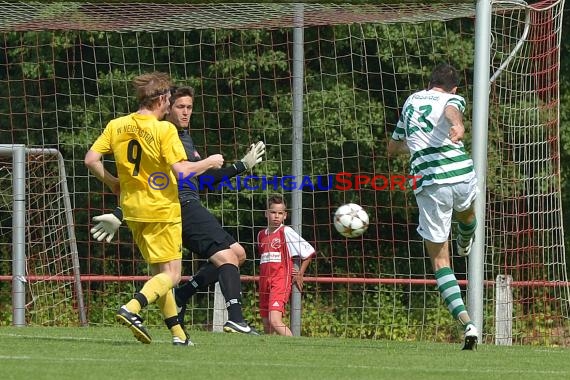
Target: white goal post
{"x": 57, "y": 269}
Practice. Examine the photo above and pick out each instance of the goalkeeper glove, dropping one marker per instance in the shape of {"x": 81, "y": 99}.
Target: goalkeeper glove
{"x": 107, "y": 226}
{"x": 254, "y": 155}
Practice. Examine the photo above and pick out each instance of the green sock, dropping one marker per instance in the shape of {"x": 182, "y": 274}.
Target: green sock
{"x": 450, "y": 291}
{"x": 465, "y": 232}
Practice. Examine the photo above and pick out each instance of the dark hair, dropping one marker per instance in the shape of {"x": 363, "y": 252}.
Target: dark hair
{"x": 178, "y": 92}
{"x": 276, "y": 199}
{"x": 444, "y": 76}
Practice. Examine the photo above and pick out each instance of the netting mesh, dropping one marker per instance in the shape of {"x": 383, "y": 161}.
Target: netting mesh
{"x": 523, "y": 198}
{"x": 134, "y": 17}
{"x": 67, "y": 72}
{"x": 51, "y": 297}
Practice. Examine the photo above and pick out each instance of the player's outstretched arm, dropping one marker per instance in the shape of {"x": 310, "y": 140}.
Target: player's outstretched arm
{"x": 253, "y": 157}
{"x": 186, "y": 168}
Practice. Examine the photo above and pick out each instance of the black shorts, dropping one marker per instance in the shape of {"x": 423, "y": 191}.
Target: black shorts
{"x": 201, "y": 232}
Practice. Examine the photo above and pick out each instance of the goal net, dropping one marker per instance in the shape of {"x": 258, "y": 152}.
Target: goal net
{"x": 67, "y": 72}
{"x": 525, "y": 245}
{"x": 34, "y": 199}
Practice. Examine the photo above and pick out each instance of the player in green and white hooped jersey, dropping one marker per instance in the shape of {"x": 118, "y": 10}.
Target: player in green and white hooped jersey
{"x": 430, "y": 129}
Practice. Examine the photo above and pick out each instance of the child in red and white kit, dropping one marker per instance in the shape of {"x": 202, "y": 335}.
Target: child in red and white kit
{"x": 277, "y": 245}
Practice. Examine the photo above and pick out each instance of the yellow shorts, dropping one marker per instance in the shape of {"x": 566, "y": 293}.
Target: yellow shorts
{"x": 159, "y": 242}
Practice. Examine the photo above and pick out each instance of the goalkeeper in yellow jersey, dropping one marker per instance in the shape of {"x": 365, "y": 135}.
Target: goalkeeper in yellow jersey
{"x": 146, "y": 152}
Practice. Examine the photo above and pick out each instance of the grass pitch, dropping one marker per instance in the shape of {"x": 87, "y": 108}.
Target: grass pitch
{"x": 105, "y": 353}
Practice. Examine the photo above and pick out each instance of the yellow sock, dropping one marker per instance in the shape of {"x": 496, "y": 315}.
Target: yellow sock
{"x": 153, "y": 289}
{"x": 176, "y": 330}
{"x": 167, "y": 305}
{"x": 133, "y": 306}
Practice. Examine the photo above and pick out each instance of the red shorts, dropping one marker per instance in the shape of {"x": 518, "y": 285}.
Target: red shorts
{"x": 274, "y": 293}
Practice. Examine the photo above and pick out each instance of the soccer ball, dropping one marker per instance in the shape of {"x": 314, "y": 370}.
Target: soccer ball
{"x": 350, "y": 220}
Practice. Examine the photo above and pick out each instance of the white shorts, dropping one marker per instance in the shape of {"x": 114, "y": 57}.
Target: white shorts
{"x": 436, "y": 204}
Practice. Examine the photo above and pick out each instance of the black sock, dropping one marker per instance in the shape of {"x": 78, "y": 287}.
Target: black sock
{"x": 142, "y": 299}
{"x": 206, "y": 275}
{"x": 230, "y": 284}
